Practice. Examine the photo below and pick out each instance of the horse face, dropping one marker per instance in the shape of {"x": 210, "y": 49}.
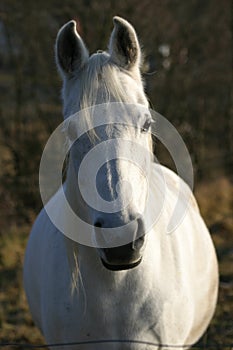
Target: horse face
{"x": 111, "y": 161}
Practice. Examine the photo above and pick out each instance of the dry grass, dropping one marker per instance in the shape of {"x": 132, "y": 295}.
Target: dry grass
{"x": 216, "y": 205}
{"x": 16, "y": 324}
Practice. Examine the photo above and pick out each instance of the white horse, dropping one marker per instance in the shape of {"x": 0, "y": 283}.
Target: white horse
{"x": 159, "y": 288}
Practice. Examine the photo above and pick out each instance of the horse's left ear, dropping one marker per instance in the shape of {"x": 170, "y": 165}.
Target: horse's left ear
{"x": 124, "y": 47}
{"x": 71, "y": 52}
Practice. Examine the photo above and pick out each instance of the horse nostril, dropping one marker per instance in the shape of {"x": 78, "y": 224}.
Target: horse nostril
{"x": 99, "y": 238}
{"x": 98, "y": 223}
{"x": 136, "y": 245}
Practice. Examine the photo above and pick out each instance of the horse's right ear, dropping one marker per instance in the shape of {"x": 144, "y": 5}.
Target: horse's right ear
{"x": 71, "y": 52}
{"x": 124, "y": 47}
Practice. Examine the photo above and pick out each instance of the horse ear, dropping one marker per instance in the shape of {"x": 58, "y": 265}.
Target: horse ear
{"x": 124, "y": 47}
{"x": 71, "y": 52}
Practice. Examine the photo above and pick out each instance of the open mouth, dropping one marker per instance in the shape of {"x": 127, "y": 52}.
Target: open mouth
{"x": 120, "y": 267}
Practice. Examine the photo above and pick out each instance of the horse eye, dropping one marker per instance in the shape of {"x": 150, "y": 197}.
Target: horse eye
{"x": 146, "y": 125}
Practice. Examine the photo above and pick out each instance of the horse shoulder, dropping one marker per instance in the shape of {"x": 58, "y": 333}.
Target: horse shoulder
{"x": 43, "y": 270}
{"x": 188, "y": 255}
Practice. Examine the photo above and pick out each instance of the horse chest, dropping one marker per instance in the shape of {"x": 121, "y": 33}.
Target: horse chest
{"x": 122, "y": 310}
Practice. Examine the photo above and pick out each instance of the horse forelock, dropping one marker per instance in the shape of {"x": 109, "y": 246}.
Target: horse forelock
{"x": 100, "y": 82}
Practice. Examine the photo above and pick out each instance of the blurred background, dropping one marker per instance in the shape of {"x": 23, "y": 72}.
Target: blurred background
{"x": 188, "y": 49}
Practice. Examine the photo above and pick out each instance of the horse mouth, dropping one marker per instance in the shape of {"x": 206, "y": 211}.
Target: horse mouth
{"x": 120, "y": 267}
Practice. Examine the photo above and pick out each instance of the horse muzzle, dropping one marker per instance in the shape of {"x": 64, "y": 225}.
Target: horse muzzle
{"x": 122, "y": 256}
